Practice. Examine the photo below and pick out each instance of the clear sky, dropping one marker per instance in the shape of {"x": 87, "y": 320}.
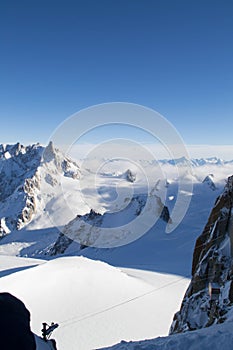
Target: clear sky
{"x": 175, "y": 56}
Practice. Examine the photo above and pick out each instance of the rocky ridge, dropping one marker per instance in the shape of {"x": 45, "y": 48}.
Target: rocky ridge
{"x": 86, "y": 235}
{"x": 209, "y": 297}
{"x": 23, "y": 171}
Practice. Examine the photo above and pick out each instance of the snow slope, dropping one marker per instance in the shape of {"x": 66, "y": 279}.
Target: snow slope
{"x": 156, "y": 250}
{"x": 212, "y": 338}
{"x": 96, "y": 305}
{"x": 12, "y": 264}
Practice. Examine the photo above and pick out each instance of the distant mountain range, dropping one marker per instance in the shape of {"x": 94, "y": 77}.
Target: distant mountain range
{"x": 197, "y": 162}
{"x": 31, "y": 176}
{"x": 42, "y": 205}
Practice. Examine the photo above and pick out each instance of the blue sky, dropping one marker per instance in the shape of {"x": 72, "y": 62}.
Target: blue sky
{"x": 175, "y": 56}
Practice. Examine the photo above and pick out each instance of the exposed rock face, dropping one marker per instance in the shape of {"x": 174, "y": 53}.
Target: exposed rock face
{"x": 130, "y": 176}
{"x": 15, "y": 332}
{"x": 23, "y": 173}
{"x": 63, "y": 241}
{"x": 165, "y": 215}
{"x": 19, "y": 182}
{"x": 209, "y": 180}
{"x": 31, "y": 186}
{"x": 60, "y": 246}
{"x": 209, "y": 297}
{"x": 17, "y": 164}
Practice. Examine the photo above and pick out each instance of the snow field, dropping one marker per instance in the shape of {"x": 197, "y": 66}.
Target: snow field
{"x": 95, "y": 304}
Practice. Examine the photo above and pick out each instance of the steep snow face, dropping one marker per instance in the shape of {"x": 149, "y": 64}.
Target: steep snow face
{"x": 209, "y": 297}
{"x": 27, "y": 175}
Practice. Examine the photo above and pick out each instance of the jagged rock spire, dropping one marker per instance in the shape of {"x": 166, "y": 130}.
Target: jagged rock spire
{"x": 49, "y": 152}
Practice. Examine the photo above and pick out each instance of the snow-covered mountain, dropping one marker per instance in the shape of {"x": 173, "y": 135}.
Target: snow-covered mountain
{"x": 98, "y": 305}
{"x": 31, "y": 176}
{"x": 28, "y": 180}
{"x": 18, "y": 184}
{"x": 46, "y": 191}
{"x": 86, "y": 229}
{"x": 195, "y": 162}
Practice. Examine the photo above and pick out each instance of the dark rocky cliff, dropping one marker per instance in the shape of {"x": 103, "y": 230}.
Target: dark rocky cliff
{"x": 209, "y": 297}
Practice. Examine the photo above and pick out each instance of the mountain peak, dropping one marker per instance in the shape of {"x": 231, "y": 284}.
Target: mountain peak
{"x": 23, "y": 176}
{"x": 209, "y": 180}
{"x": 49, "y": 152}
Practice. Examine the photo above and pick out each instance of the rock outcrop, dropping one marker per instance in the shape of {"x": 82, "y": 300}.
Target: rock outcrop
{"x": 130, "y": 176}
{"x": 209, "y": 181}
{"x": 19, "y": 182}
{"x": 15, "y": 332}
{"x": 86, "y": 235}
{"x": 209, "y": 297}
